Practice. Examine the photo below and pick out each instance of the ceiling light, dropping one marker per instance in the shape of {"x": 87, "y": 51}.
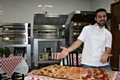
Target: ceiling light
{"x": 45, "y": 6}
{"x": 40, "y": 6}
{"x": 48, "y": 6}
{"x": 1, "y": 11}
{"x": 77, "y": 11}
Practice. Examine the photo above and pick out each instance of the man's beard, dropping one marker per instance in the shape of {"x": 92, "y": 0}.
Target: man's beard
{"x": 101, "y": 24}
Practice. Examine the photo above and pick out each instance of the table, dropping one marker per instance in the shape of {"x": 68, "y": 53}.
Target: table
{"x": 28, "y": 51}
{"x": 13, "y": 64}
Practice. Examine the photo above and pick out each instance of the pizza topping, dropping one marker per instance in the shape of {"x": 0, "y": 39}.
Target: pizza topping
{"x": 45, "y": 69}
{"x": 55, "y": 69}
{"x": 50, "y": 71}
{"x": 74, "y": 73}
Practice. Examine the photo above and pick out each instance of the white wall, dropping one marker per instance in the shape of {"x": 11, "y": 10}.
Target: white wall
{"x": 102, "y": 4}
{"x": 21, "y": 11}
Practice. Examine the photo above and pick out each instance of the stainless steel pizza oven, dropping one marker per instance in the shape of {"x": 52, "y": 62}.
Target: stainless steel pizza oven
{"x": 49, "y": 26}
{"x": 16, "y": 33}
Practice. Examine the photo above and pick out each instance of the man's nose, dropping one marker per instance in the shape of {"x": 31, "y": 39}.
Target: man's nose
{"x": 102, "y": 18}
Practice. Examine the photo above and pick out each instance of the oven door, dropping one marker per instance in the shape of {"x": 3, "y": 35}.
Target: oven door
{"x": 14, "y": 38}
{"x": 13, "y": 29}
{"x": 47, "y": 31}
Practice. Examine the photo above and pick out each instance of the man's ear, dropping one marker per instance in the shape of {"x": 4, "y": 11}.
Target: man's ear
{"x": 95, "y": 18}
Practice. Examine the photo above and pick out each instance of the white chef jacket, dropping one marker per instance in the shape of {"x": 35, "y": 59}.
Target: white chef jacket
{"x": 95, "y": 40}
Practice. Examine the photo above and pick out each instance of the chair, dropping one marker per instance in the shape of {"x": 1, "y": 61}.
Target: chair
{"x": 15, "y": 76}
{"x": 19, "y": 51}
{"x": 73, "y": 59}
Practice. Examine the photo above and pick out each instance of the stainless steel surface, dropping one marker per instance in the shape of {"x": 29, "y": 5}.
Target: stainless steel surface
{"x": 28, "y": 50}
{"x": 50, "y": 19}
{"x": 49, "y": 26}
{"x": 14, "y": 38}
{"x": 37, "y": 47}
{"x": 13, "y": 29}
{"x": 15, "y": 33}
{"x": 48, "y": 31}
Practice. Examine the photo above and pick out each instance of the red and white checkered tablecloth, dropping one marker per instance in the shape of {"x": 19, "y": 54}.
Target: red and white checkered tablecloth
{"x": 117, "y": 76}
{"x": 10, "y": 64}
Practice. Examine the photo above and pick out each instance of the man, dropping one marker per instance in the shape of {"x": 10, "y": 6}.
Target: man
{"x": 97, "y": 43}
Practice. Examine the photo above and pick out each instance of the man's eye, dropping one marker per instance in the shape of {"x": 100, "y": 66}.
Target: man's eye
{"x": 104, "y": 16}
{"x": 99, "y": 16}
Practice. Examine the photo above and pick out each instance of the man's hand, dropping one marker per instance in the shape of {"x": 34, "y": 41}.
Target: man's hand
{"x": 64, "y": 52}
{"x": 105, "y": 57}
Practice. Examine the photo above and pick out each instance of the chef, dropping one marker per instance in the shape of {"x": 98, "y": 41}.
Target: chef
{"x": 97, "y": 43}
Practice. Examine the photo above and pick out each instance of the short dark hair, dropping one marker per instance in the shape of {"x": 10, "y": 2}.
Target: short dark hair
{"x": 100, "y": 10}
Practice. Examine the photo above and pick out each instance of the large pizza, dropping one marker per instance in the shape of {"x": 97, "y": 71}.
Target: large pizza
{"x": 73, "y": 73}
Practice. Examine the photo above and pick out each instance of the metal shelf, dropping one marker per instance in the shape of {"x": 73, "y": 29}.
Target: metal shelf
{"x": 35, "y": 49}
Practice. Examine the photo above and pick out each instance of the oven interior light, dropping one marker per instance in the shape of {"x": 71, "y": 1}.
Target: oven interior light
{"x": 7, "y": 38}
{"x": 63, "y": 25}
{"x": 75, "y": 24}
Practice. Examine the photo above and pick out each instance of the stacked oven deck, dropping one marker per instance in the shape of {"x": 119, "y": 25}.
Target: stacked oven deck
{"x": 49, "y": 26}
{"x": 17, "y": 37}
{"x": 48, "y": 32}
{"x": 16, "y": 33}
